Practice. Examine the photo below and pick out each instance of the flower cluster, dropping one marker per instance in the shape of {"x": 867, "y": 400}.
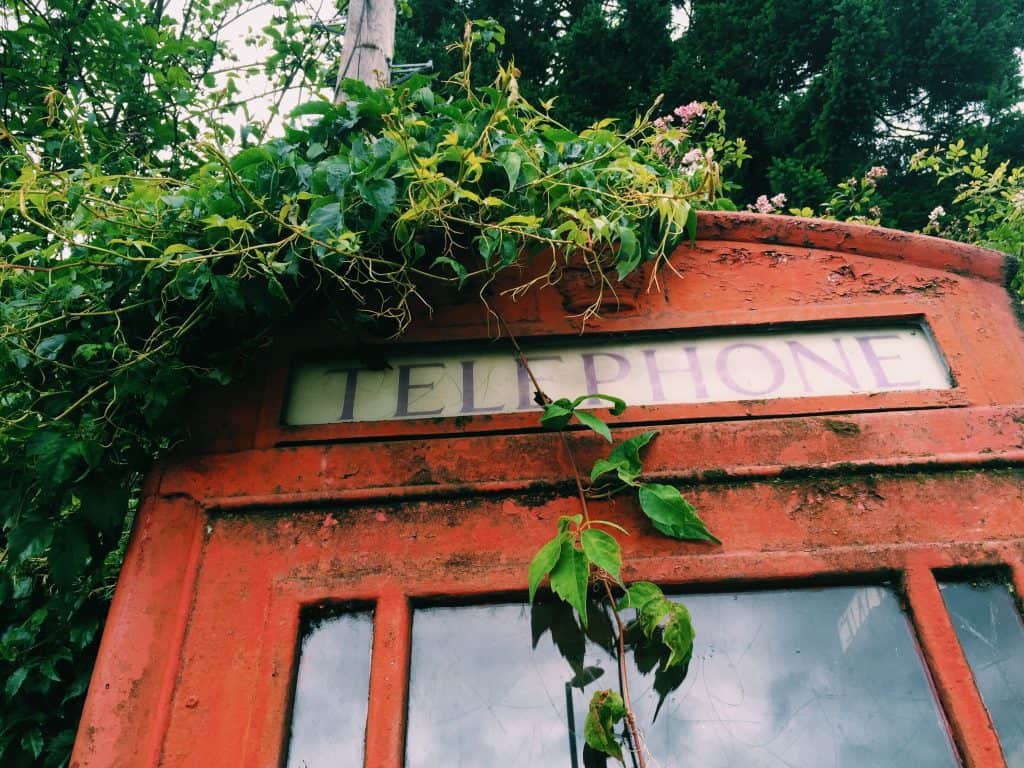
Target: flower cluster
{"x": 687, "y": 112}
{"x": 872, "y": 176}
{"x": 764, "y": 204}
{"x": 671, "y": 139}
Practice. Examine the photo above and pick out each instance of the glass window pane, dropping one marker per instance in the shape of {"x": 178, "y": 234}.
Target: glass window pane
{"x": 331, "y": 692}
{"x": 992, "y": 637}
{"x": 813, "y": 678}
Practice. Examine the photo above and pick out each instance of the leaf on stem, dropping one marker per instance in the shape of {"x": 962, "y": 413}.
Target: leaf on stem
{"x": 624, "y": 459}
{"x": 672, "y": 514}
{"x": 594, "y": 423}
{"x": 544, "y": 561}
{"x": 570, "y": 577}
{"x": 606, "y": 711}
{"x": 557, "y": 414}
{"x": 618, "y": 404}
{"x": 603, "y": 551}
{"x": 678, "y": 634}
{"x": 652, "y": 613}
{"x": 639, "y": 594}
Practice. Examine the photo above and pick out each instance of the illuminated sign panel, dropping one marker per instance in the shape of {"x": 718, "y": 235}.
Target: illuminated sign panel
{"x": 668, "y": 369}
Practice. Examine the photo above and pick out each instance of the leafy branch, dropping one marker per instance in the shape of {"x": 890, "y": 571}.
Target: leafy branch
{"x": 582, "y": 555}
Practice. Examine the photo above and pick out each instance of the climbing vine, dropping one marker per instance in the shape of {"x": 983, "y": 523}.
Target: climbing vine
{"x": 121, "y": 293}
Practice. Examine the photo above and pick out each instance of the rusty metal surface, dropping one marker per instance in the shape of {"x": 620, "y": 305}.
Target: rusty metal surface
{"x": 198, "y": 658}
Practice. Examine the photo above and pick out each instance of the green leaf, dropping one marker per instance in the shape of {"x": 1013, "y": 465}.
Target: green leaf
{"x": 456, "y": 267}
{"x": 618, "y": 404}
{"x": 424, "y": 96}
{"x": 638, "y": 594}
{"x": 511, "y": 162}
{"x": 678, "y": 635}
{"x": 56, "y": 456}
{"x": 557, "y": 414}
{"x": 50, "y": 347}
{"x": 14, "y": 682}
{"x": 313, "y": 108}
{"x": 691, "y": 225}
{"x": 29, "y": 539}
{"x": 672, "y": 514}
{"x": 624, "y": 458}
{"x": 628, "y": 451}
{"x": 559, "y": 135}
{"x": 326, "y": 222}
{"x": 652, "y": 612}
{"x": 603, "y": 551}
{"x": 250, "y": 157}
{"x": 228, "y": 293}
{"x": 570, "y": 578}
{"x": 602, "y": 467}
{"x": 33, "y": 742}
{"x": 544, "y": 561}
{"x": 606, "y": 711}
{"x": 594, "y": 423}
{"x": 381, "y": 195}
{"x": 104, "y": 504}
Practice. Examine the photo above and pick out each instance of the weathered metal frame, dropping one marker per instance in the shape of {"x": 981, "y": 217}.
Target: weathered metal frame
{"x": 231, "y": 541}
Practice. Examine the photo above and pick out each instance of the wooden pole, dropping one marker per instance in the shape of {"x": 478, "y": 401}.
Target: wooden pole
{"x": 369, "y": 43}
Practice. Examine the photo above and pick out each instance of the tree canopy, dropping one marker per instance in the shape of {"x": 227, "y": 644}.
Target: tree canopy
{"x": 821, "y": 90}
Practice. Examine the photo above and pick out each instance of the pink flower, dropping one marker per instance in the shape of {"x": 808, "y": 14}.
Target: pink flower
{"x": 693, "y": 157}
{"x": 663, "y": 123}
{"x": 877, "y": 172}
{"x": 765, "y": 205}
{"x": 686, "y": 112}
{"x": 691, "y": 162}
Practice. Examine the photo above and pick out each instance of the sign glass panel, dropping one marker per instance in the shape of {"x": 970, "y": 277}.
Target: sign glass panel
{"x": 667, "y": 369}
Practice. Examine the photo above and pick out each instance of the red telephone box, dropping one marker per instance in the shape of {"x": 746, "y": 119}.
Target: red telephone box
{"x": 337, "y": 570}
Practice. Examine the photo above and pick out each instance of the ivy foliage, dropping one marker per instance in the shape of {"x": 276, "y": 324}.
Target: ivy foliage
{"x": 582, "y": 559}
{"x": 985, "y": 199}
{"x": 120, "y": 291}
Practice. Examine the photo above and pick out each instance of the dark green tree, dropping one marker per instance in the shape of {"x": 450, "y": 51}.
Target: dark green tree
{"x": 821, "y": 89}
{"x": 101, "y": 87}
{"x": 596, "y": 59}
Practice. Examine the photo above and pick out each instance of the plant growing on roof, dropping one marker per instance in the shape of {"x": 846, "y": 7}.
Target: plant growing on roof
{"x": 118, "y": 293}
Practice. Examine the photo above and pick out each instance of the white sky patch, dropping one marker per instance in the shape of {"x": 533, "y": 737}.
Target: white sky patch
{"x": 260, "y": 104}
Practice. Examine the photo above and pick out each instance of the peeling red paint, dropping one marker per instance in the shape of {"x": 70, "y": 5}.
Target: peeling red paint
{"x": 256, "y": 520}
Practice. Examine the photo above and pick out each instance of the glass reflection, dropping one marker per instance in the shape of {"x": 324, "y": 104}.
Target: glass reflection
{"x": 992, "y": 637}
{"x": 814, "y": 678}
{"x": 331, "y": 692}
